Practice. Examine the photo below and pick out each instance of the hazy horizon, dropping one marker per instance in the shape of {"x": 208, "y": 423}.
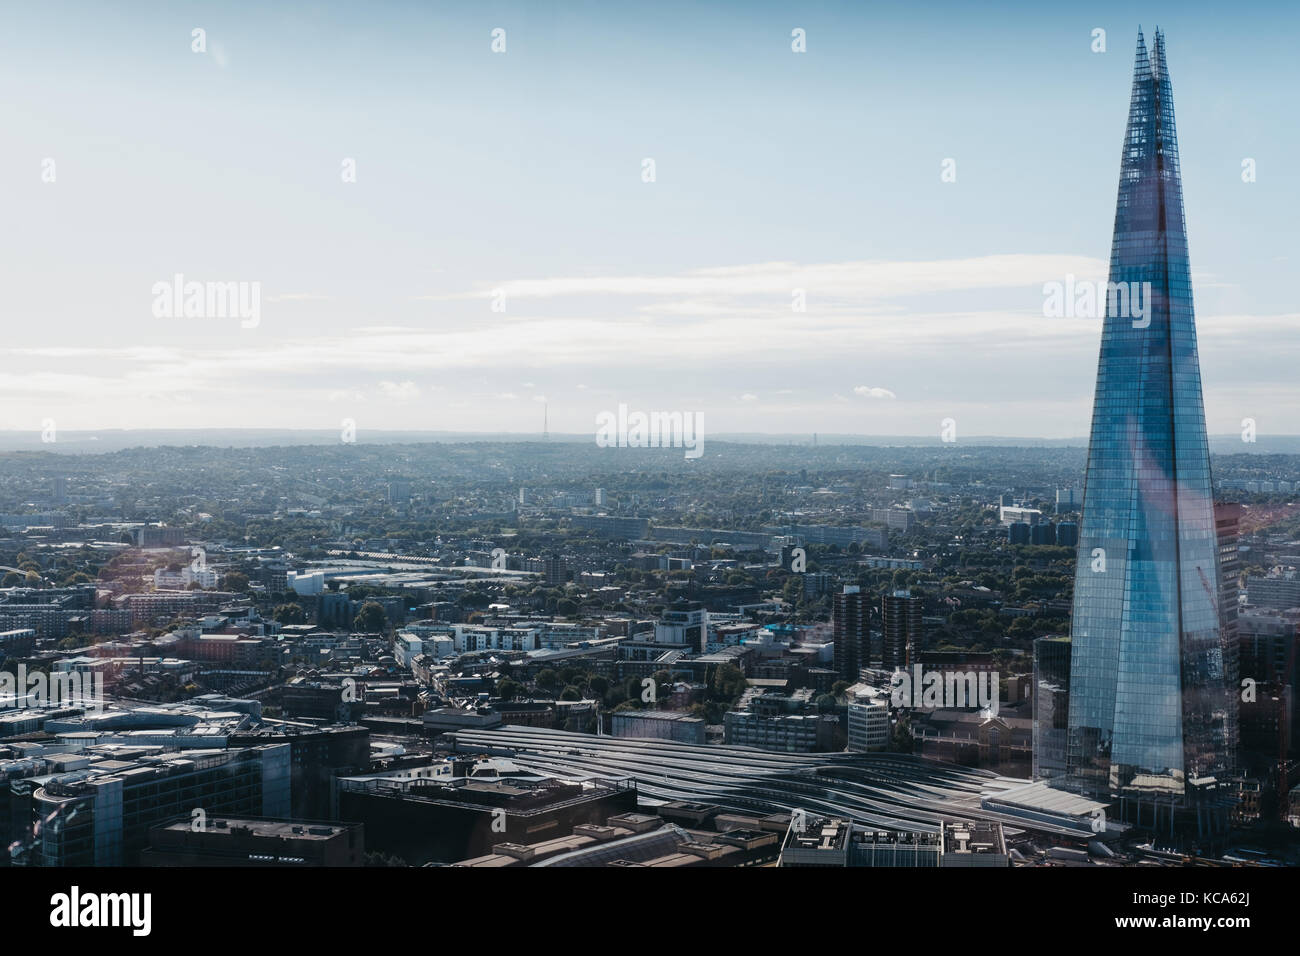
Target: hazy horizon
{"x": 109, "y": 440}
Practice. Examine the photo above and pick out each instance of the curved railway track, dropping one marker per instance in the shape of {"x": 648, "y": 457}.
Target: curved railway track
{"x": 894, "y": 791}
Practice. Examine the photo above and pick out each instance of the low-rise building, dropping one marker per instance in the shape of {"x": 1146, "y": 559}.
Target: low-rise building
{"x": 681, "y": 726}
{"x": 221, "y": 841}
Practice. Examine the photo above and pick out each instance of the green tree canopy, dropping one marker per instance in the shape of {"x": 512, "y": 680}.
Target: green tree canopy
{"x": 371, "y": 619}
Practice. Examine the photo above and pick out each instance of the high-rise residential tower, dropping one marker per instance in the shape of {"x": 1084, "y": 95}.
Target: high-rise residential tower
{"x": 1150, "y": 707}
{"x": 850, "y": 633}
{"x": 900, "y": 627}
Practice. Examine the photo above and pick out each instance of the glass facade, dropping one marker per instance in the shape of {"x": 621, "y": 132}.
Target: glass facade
{"x": 1051, "y": 693}
{"x": 1149, "y": 707}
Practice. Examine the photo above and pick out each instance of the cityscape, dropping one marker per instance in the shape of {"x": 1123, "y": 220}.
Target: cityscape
{"x": 510, "y": 588}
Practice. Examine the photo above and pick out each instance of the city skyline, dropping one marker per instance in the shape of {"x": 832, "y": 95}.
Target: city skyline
{"x": 655, "y": 436}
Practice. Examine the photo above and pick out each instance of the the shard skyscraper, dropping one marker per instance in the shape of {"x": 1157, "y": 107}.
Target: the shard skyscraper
{"x": 1151, "y": 718}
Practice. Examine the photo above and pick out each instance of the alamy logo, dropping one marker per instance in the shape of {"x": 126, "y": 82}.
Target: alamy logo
{"x": 38, "y": 689}
{"x": 179, "y": 299}
{"x": 74, "y": 909}
{"x": 1093, "y": 300}
{"x": 932, "y": 690}
{"x": 626, "y": 429}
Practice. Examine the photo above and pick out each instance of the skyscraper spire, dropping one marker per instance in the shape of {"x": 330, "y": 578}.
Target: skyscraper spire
{"x": 1150, "y": 711}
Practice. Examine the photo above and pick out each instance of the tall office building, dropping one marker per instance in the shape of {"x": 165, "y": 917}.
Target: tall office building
{"x": 399, "y": 493}
{"x": 901, "y": 629}
{"x": 850, "y": 633}
{"x": 1051, "y": 703}
{"x": 1149, "y": 703}
{"x": 1227, "y": 526}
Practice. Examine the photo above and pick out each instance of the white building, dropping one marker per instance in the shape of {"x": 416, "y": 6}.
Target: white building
{"x": 305, "y": 582}
{"x": 477, "y": 637}
{"x": 413, "y": 641}
{"x": 406, "y": 648}
{"x": 684, "y": 623}
{"x": 164, "y": 580}
{"x": 868, "y": 718}
{"x": 1010, "y": 514}
{"x": 553, "y": 635}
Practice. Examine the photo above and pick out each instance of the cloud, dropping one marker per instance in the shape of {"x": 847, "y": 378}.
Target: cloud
{"x": 299, "y": 297}
{"x": 860, "y": 279}
{"x": 400, "y": 391}
{"x": 699, "y": 331}
{"x": 870, "y": 391}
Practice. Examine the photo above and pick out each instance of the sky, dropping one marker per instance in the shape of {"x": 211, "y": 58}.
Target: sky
{"x": 446, "y": 237}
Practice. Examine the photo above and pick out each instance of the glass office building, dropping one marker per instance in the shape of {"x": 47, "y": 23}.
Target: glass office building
{"x": 1051, "y": 698}
{"x": 1150, "y": 710}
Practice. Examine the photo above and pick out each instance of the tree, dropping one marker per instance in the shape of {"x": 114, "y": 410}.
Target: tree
{"x": 479, "y": 599}
{"x": 728, "y": 683}
{"x": 900, "y": 739}
{"x": 570, "y": 693}
{"x": 236, "y": 581}
{"x": 508, "y": 689}
{"x": 371, "y": 619}
{"x": 547, "y": 679}
{"x": 632, "y": 690}
{"x": 792, "y": 592}
{"x": 289, "y": 614}
{"x": 1022, "y": 627}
